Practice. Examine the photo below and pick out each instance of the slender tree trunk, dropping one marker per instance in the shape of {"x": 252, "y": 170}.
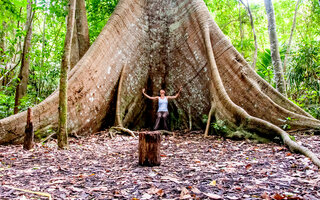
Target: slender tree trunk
{"x": 21, "y": 88}
{"x": 290, "y": 39}
{"x": 274, "y": 47}
{"x": 80, "y": 38}
{"x": 82, "y": 28}
{"x": 19, "y": 39}
{"x": 65, "y": 63}
{"x": 2, "y": 49}
{"x": 2, "y": 42}
{"x": 255, "y": 54}
{"x": 42, "y": 54}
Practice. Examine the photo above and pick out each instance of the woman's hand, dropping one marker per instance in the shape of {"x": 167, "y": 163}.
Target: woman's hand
{"x": 143, "y": 90}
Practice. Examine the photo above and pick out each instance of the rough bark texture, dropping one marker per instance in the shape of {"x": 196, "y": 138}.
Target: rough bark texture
{"x": 21, "y": 88}
{"x": 149, "y": 149}
{"x": 29, "y": 134}
{"x": 80, "y": 38}
{"x": 290, "y": 39}
{"x": 165, "y": 44}
{"x": 74, "y": 54}
{"x": 274, "y": 47}
{"x": 119, "y": 118}
{"x": 82, "y": 28}
{"x": 63, "y": 87}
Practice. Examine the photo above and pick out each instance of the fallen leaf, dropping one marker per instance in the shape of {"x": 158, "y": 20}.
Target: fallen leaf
{"x": 266, "y": 196}
{"x": 248, "y": 166}
{"x": 213, "y": 196}
{"x": 146, "y": 196}
{"x": 278, "y": 196}
{"x": 185, "y": 194}
{"x": 213, "y": 183}
{"x": 170, "y": 179}
{"x": 196, "y": 190}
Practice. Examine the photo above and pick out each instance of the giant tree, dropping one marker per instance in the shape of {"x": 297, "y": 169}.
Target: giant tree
{"x": 165, "y": 44}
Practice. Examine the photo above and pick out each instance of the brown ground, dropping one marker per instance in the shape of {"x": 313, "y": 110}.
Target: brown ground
{"x": 192, "y": 168}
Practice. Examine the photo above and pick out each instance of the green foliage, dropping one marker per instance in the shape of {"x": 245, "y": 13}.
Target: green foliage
{"x": 303, "y": 77}
{"x": 220, "y": 127}
{"x": 98, "y": 13}
{"x": 286, "y": 125}
{"x": 264, "y": 66}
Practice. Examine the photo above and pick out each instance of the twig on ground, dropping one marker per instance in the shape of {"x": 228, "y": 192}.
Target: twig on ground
{"x": 47, "y": 138}
{"x": 44, "y": 194}
{"x": 165, "y": 132}
{"x": 124, "y": 130}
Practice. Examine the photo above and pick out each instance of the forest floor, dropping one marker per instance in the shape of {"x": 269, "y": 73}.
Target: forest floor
{"x": 192, "y": 167}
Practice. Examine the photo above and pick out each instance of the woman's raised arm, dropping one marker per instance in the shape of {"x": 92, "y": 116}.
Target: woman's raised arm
{"x": 152, "y": 98}
{"x": 173, "y": 97}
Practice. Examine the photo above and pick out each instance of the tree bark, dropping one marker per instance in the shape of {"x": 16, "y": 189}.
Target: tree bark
{"x": 42, "y": 54}
{"x": 274, "y": 47}
{"x": 2, "y": 50}
{"x": 149, "y": 148}
{"x": 290, "y": 39}
{"x": 2, "y": 42}
{"x": 18, "y": 48}
{"x": 74, "y": 54}
{"x": 80, "y": 38}
{"x": 29, "y": 134}
{"x": 118, "y": 106}
{"x": 65, "y": 64}
{"x": 82, "y": 28}
{"x": 23, "y": 77}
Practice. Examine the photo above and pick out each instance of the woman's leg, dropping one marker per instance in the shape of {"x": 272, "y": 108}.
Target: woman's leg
{"x": 156, "y": 125}
{"x": 165, "y": 116}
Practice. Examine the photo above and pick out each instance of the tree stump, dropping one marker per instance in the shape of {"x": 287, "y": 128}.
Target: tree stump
{"x": 149, "y": 148}
{"x": 29, "y": 134}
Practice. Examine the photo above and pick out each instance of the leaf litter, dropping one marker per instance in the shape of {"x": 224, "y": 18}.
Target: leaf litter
{"x": 192, "y": 167}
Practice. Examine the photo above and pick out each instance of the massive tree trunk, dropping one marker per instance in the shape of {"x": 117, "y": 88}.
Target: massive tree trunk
{"x": 274, "y": 48}
{"x": 165, "y": 44}
{"x": 63, "y": 87}
{"x": 290, "y": 39}
{"x": 21, "y": 88}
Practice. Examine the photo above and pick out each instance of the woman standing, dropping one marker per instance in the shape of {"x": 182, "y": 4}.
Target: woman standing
{"x": 162, "y": 107}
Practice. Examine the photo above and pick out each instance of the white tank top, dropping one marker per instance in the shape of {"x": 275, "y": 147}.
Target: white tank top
{"x": 163, "y": 104}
